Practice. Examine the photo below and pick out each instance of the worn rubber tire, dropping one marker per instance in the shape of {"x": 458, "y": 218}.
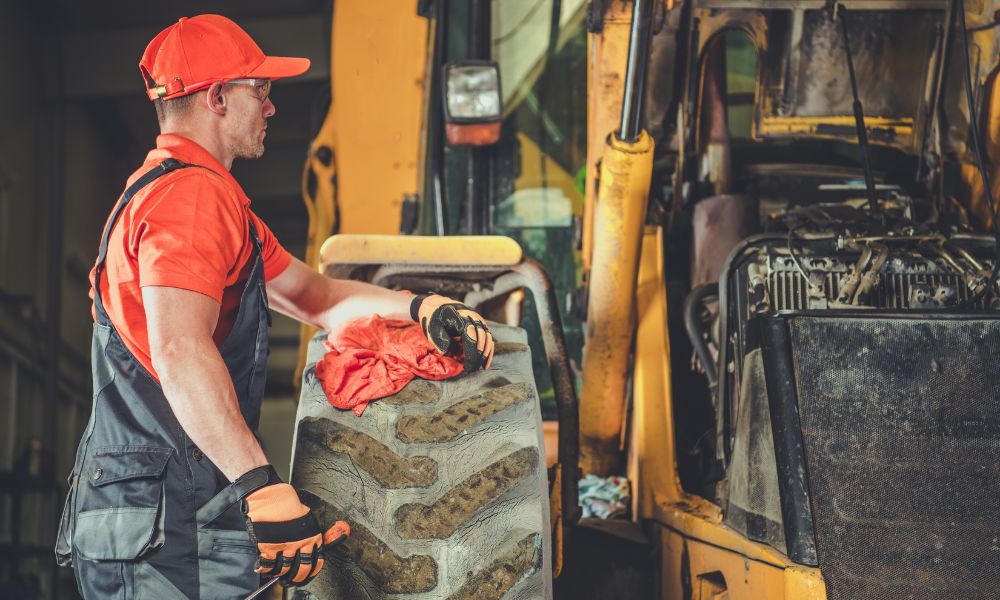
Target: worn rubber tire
{"x": 444, "y": 485}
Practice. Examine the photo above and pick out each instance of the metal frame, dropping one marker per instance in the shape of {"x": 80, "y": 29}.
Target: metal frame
{"x": 793, "y": 483}
{"x": 710, "y": 18}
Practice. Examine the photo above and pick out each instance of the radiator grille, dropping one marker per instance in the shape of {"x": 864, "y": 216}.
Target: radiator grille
{"x": 901, "y": 425}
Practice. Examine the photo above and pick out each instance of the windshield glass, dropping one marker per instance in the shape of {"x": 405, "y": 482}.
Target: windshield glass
{"x": 537, "y": 195}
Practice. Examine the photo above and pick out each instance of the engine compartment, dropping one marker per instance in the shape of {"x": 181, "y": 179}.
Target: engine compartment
{"x": 837, "y": 256}
{"x": 820, "y": 250}
{"x": 841, "y": 256}
{"x": 822, "y": 317}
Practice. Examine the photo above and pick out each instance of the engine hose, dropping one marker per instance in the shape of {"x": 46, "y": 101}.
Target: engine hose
{"x": 723, "y": 401}
{"x": 692, "y": 323}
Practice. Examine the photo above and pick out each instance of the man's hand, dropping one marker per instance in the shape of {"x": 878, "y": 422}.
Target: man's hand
{"x": 444, "y": 320}
{"x": 289, "y": 541}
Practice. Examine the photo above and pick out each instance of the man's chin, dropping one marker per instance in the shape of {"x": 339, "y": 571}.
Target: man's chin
{"x": 251, "y": 153}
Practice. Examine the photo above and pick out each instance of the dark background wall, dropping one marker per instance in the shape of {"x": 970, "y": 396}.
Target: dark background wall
{"x": 74, "y": 122}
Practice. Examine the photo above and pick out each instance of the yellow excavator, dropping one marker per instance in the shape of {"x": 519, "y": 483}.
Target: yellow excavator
{"x": 741, "y": 255}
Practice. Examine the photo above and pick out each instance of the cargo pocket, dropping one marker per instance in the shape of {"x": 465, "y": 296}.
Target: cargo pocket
{"x": 120, "y": 503}
{"x": 64, "y": 537}
{"x": 226, "y": 560}
{"x": 226, "y": 556}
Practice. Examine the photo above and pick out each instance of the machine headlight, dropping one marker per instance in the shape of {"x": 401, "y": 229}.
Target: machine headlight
{"x": 472, "y": 102}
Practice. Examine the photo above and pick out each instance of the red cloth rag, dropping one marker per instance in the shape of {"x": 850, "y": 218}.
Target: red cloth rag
{"x": 374, "y": 358}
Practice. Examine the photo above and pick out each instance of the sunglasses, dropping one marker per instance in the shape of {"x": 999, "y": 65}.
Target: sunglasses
{"x": 261, "y": 87}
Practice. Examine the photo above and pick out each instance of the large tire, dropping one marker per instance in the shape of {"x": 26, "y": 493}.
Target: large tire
{"x": 444, "y": 485}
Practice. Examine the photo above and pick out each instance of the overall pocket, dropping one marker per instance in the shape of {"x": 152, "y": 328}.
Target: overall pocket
{"x": 120, "y": 503}
{"x": 64, "y": 537}
{"x": 226, "y": 555}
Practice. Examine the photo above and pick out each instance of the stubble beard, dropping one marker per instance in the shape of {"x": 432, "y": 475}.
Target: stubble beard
{"x": 249, "y": 149}
{"x": 251, "y": 146}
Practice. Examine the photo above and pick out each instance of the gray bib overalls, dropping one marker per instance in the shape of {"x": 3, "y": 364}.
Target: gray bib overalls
{"x": 148, "y": 515}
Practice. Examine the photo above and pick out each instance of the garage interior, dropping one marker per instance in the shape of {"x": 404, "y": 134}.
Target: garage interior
{"x": 748, "y": 224}
{"x": 76, "y": 124}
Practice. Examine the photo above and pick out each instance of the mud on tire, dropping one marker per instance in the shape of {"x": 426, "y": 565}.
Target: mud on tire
{"x": 444, "y": 485}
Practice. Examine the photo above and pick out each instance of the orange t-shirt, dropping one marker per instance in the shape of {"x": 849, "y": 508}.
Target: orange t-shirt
{"x": 188, "y": 229}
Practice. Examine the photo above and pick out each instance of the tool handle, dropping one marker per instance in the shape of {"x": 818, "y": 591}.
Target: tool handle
{"x": 262, "y": 589}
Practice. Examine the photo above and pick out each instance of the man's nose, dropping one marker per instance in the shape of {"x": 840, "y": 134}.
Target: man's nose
{"x": 269, "y": 108}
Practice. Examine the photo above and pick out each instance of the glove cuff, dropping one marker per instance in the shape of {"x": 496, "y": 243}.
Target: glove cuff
{"x": 254, "y": 479}
{"x": 415, "y": 305}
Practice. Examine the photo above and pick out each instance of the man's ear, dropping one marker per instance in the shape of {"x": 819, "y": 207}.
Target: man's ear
{"x": 216, "y": 98}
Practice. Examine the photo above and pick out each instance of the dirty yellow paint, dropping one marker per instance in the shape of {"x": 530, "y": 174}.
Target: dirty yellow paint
{"x": 365, "y": 157}
{"x": 971, "y": 191}
{"x": 377, "y": 78}
{"x": 653, "y": 468}
{"x": 715, "y": 572}
{"x": 626, "y": 170}
{"x": 359, "y": 249}
{"x": 719, "y": 560}
{"x": 605, "y": 87}
{"x": 813, "y": 126}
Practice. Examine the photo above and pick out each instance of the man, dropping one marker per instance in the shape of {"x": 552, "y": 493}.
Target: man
{"x": 172, "y": 495}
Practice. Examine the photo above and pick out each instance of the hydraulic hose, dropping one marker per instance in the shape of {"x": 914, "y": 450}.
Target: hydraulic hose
{"x": 692, "y": 322}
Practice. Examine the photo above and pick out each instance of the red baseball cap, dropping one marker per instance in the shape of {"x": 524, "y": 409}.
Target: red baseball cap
{"x": 193, "y": 53}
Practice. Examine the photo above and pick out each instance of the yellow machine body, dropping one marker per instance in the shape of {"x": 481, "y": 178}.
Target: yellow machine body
{"x": 374, "y": 131}
{"x": 627, "y": 296}
{"x": 374, "y": 128}
{"x": 692, "y": 536}
{"x": 373, "y": 125}
{"x": 363, "y": 161}
{"x": 626, "y": 170}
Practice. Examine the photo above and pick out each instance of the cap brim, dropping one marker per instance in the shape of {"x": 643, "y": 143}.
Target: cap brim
{"x": 276, "y": 67}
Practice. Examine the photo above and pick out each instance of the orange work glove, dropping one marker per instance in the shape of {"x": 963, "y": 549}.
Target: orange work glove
{"x": 289, "y": 541}
{"x": 453, "y": 327}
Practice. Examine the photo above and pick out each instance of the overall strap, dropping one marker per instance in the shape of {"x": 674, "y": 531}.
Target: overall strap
{"x": 258, "y": 245}
{"x": 156, "y": 172}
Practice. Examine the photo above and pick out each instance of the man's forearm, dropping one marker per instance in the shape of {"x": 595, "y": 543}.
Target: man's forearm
{"x": 325, "y": 303}
{"x": 200, "y": 392}
{"x": 329, "y": 304}
{"x": 358, "y": 299}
